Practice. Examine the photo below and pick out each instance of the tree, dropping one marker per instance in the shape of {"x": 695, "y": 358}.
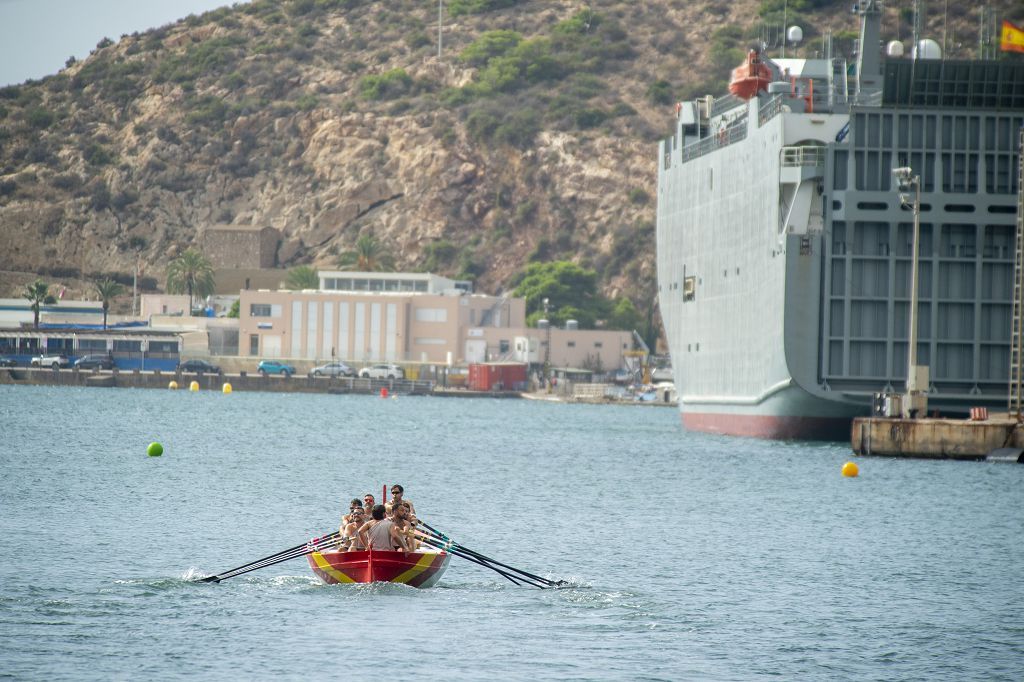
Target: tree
{"x": 624, "y": 315}
{"x": 368, "y": 256}
{"x": 571, "y": 292}
{"x": 190, "y": 273}
{"x": 38, "y": 294}
{"x": 302, "y": 277}
{"x": 107, "y": 289}
{"x": 235, "y": 309}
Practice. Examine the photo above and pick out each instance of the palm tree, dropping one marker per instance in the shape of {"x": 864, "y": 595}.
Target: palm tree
{"x": 190, "y": 273}
{"x": 368, "y": 256}
{"x": 107, "y": 289}
{"x": 38, "y": 294}
{"x": 302, "y": 277}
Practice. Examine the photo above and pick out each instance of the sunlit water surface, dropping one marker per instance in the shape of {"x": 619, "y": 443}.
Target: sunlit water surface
{"x": 688, "y": 556}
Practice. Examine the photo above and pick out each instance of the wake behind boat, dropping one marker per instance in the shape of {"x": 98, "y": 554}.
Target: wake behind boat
{"x": 422, "y": 568}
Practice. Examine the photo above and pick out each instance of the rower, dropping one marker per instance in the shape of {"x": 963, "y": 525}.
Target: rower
{"x": 351, "y": 541}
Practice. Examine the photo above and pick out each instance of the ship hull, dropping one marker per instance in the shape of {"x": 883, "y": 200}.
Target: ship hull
{"x": 785, "y": 252}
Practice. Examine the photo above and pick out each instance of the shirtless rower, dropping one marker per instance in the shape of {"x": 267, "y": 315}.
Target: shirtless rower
{"x": 356, "y": 503}
{"x": 350, "y": 532}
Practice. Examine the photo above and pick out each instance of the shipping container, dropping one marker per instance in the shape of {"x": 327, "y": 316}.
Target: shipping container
{"x": 497, "y": 376}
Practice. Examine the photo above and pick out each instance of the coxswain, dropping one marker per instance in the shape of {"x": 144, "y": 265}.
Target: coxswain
{"x": 398, "y": 497}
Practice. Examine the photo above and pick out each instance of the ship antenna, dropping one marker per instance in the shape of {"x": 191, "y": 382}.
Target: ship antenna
{"x": 917, "y": 29}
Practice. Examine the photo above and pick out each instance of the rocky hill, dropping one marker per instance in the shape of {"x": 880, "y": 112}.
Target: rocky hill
{"x": 531, "y": 137}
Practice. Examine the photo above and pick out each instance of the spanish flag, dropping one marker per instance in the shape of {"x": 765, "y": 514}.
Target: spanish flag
{"x": 1012, "y": 39}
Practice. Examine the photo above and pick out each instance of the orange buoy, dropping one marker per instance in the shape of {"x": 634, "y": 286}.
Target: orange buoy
{"x": 384, "y": 392}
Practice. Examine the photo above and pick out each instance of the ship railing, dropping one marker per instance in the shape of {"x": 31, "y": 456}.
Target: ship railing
{"x": 735, "y": 132}
{"x": 726, "y": 103}
{"x": 806, "y": 155}
{"x": 769, "y": 110}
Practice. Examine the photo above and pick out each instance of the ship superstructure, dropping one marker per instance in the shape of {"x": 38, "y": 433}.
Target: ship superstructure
{"x": 784, "y": 251}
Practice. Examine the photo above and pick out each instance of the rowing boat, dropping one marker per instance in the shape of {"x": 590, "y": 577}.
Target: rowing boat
{"x": 417, "y": 569}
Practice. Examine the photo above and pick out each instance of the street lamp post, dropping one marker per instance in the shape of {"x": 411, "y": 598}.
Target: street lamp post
{"x": 916, "y": 399}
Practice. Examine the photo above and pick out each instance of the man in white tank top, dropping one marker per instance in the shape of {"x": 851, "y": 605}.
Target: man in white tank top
{"x": 380, "y": 533}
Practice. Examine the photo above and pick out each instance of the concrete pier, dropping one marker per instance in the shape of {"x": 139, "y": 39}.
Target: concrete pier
{"x": 935, "y": 438}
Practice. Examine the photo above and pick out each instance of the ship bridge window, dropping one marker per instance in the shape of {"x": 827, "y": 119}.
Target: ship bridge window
{"x": 1002, "y": 209}
{"x": 960, "y": 208}
{"x": 872, "y": 205}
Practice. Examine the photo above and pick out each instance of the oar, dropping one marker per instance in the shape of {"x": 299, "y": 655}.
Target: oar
{"x": 308, "y": 549}
{"x": 272, "y": 558}
{"x": 444, "y": 538}
{"x": 429, "y": 540}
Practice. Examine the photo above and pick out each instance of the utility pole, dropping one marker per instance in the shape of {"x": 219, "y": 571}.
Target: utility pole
{"x": 916, "y": 400}
{"x": 440, "y": 8}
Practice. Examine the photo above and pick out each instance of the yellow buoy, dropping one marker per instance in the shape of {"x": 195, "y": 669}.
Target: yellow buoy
{"x": 850, "y": 470}
{"x": 173, "y": 385}
{"x": 226, "y": 388}
{"x": 194, "y": 386}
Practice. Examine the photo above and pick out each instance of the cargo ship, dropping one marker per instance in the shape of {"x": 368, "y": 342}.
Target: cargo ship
{"x": 785, "y": 247}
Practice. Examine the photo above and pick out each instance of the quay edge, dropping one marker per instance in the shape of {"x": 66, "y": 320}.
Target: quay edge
{"x": 936, "y": 438}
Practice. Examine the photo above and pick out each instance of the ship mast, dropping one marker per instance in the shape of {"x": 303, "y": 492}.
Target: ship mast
{"x": 869, "y": 58}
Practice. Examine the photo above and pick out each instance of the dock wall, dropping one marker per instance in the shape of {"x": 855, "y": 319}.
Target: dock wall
{"x": 934, "y": 438}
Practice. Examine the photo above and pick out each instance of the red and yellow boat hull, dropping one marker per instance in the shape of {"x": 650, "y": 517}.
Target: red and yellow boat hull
{"x": 417, "y": 569}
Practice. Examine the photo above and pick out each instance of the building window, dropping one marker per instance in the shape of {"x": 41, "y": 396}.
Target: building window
{"x": 254, "y": 344}
{"x": 259, "y": 310}
{"x": 598, "y": 344}
{"x": 431, "y": 315}
{"x": 503, "y": 346}
{"x": 163, "y": 346}
{"x": 571, "y": 344}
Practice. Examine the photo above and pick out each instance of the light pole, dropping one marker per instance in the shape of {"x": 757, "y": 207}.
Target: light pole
{"x": 440, "y": 9}
{"x": 547, "y": 342}
{"x": 916, "y": 399}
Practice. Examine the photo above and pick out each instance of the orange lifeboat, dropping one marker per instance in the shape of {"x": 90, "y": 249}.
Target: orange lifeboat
{"x": 750, "y": 77}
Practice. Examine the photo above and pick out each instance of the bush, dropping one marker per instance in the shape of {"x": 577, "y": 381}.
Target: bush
{"x": 307, "y": 102}
{"x": 460, "y": 7}
{"x": 66, "y": 181}
{"x": 40, "y": 118}
{"x": 8, "y": 187}
{"x": 207, "y": 110}
{"x": 97, "y": 155}
{"x": 388, "y": 85}
{"x": 660, "y": 92}
{"x": 638, "y": 196}
{"x": 491, "y": 44}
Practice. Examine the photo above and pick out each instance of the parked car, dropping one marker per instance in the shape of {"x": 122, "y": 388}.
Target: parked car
{"x": 53, "y": 360}
{"x": 198, "y": 366}
{"x": 274, "y": 367}
{"x": 7, "y": 362}
{"x": 333, "y": 369}
{"x": 382, "y": 372}
{"x": 95, "y": 362}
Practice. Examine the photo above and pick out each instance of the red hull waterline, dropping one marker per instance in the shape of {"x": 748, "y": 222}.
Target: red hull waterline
{"x": 770, "y": 427}
{"x": 417, "y": 569}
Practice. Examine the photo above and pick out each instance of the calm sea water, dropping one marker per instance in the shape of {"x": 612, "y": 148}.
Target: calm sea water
{"x": 689, "y": 556}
